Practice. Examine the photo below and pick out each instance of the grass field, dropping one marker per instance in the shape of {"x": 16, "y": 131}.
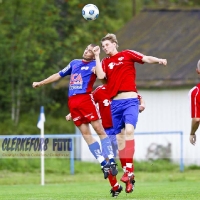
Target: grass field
{"x": 149, "y": 185}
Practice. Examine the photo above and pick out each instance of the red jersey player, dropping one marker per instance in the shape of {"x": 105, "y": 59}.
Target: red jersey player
{"x": 82, "y": 107}
{"x": 119, "y": 70}
{"x": 101, "y": 97}
{"x": 194, "y": 95}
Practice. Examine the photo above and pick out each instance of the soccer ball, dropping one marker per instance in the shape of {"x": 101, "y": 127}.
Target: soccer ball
{"x": 90, "y": 12}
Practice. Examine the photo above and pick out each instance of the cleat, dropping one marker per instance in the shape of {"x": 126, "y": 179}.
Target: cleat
{"x": 133, "y": 184}
{"x": 105, "y": 169}
{"x": 124, "y": 178}
{"x": 130, "y": 184}
{"x": 113, "y": 169}
{"x": 115, "y": 193}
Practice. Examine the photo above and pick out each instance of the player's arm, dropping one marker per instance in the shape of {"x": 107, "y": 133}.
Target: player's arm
{"x": 103, "y": 81}
{"x": 48, "y": 80}
{"x": 194, "y": 127}
{"x": 98, "y": 70}
{"x": 142, "y": 105}
{"x": 154, "y": 60}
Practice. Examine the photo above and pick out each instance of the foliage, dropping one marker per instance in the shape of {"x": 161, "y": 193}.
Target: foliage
{"x": 38, "y": 38}
{"x": 28, "y": 122}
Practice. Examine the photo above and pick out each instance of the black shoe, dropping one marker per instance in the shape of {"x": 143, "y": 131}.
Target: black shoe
{"x": 117, "y": 192}
{"x": 133, "y": 183}
{"x": 105, "y": 169}
{"x": 113, "y": 169}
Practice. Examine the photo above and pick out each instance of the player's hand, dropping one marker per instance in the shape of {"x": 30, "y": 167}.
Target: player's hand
{"x": 141, "y": 108}
{"x": 193, "y": 139}
{"x": 163, "y": 62}
{"x": 94, "y": 70}
{"x": 68, "y": 117}
{"x": 96, "y": 50}
{"x": 36, "y": 84}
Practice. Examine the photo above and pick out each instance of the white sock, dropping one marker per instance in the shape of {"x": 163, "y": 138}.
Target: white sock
{"x": 100, "y": 159}
{"x": 129, "y": 165}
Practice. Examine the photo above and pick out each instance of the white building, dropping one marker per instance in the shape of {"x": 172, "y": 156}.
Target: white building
{"x": 166, "y": 111}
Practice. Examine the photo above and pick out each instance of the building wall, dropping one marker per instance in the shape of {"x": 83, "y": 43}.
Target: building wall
{"x": 166, "y": 111}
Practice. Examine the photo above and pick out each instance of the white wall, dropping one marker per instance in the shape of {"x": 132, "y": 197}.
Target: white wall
{"x": 169, "y": 110}
{"x": 166, "y": 110}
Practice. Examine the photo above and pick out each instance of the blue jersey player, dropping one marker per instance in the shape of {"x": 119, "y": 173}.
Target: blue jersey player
{"x": 82, "y": 107}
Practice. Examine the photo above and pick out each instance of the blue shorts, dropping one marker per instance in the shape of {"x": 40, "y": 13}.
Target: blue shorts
{"x": 112, "y": 136}
{"x": 124, "y": 111}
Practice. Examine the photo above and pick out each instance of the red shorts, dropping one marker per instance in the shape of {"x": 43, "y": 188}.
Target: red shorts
{"x": 83, "y": 109}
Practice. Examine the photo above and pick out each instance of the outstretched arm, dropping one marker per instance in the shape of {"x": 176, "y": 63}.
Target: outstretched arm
{"x": 48, "y": 80}
{"x": 154, "y": 60}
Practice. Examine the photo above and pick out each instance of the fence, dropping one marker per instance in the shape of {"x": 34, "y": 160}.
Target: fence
{"x": 149, "y": 146}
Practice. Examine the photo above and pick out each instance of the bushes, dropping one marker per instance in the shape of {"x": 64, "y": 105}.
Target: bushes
{"x": 28, "y": 126}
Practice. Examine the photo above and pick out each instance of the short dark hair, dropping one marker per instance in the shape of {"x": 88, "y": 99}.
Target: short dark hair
{"x": 93, "y": 45}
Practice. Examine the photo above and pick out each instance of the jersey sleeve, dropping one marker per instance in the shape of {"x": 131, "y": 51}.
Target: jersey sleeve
{"x": 135, "y": 56}
{"x": 67, "y": 70}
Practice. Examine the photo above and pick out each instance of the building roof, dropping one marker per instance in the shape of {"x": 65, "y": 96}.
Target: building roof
{"x": 170, "y": 34}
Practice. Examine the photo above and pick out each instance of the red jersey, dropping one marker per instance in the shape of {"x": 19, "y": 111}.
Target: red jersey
{"x": 194, "y": 95}
{"x": 120, "y": 71}
{"x": 101, "y": 97}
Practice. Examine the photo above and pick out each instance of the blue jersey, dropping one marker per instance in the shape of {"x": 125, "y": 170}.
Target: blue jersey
{"x": 82, "y": 78}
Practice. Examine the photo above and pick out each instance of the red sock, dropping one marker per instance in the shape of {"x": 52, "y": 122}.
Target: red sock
{"x": 122, "y": 157}
{"x": 113, "y": 181}
{"x": 130, "y": 150}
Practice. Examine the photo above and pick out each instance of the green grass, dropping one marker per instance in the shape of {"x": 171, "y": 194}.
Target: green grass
{"x": 93, "y": 187}
{"x": 157, "y": 180}
{"x": 149, "y": 185}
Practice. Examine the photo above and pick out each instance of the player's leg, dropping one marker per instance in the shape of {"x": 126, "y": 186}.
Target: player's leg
{"x": 116, "y": 187}
{"x": 94, "y": 147}
{"x": 77, "y": 106}
{"x": 121, "y": 138}
{"x": 106, "y": 145}
{"x": 91, "y": 114}
{"x": 129, "y": 111}
{"x": 128, "y": 176}
{"x": 130, "y": 118}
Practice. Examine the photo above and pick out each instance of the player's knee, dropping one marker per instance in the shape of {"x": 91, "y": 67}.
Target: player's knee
{"x": 99, "y": 130}
{"x": 129, "y": 129}
{"x": 197, "y": 120}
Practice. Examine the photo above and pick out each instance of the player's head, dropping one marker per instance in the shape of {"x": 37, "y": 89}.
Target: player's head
{"x": 109, "y": 43}
{"x": 198, "y": 67}
{"x": 88, "y": 54}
